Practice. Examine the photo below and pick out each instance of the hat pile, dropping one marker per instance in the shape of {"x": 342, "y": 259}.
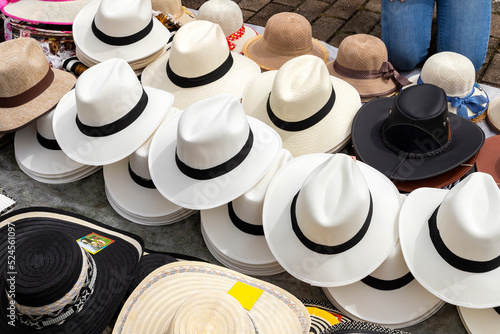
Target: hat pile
{"x": 478, "y": 321}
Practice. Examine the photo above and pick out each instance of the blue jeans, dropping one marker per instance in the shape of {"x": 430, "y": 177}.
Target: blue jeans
{"x": 463, "y": 26}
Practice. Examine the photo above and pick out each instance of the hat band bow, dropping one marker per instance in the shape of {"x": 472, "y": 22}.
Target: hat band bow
{"x": 386, "y": 71}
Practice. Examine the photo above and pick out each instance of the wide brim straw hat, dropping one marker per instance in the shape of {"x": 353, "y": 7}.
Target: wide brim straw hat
{"x": 493, "y": 116}
{"x": 300, "y": 103}
{"x": 351, "y": 264}
{"x": 489, "y": 157}
{"x": 47, "y": 12}
{"x": 479, "y": 321}
{"x": 24, "y": 75}
{"x": 174, "y": 7}
{"x": 166, "y": 297}
{"x": 115, "y": 265}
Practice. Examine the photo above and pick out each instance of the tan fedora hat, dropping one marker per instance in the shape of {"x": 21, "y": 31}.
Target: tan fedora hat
{"x": 174, "y": 7}
{"x": 286, "y": 36}
{"x": 362, "y": 61}
{"x": 29, "y": 87}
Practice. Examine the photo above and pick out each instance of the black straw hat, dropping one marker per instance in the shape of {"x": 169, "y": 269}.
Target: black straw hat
{"x": 412, "y": 136}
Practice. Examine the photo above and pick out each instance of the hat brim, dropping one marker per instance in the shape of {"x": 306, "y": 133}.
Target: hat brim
{"x": 467, "y": 140}
{"x": 116, "y": 265}
{"x": 331, "y": 133}
{"x": 94, "y": 48}
{"x": 206, "y": 194}
{"x": 234, "y": 81}
{"x": 477, "y": 321}
{"x": 488, "y": 160}
{"x": 452, "y": 285}
{"x": 269, "y": 61}
{"x": 50, "y": 12}
{"x": 13, "y": 119}
{"x": 493, "y": 115}
{"x": 112, "y": 148}
{"x": 329, "y": 270}
{"x": 60, "y": 179}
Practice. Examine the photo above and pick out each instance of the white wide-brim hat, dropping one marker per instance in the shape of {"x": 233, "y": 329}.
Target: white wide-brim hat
{"x": 480, "y": 321}
{"x": 43, "y": 11}
{"x": 349, "y": 265}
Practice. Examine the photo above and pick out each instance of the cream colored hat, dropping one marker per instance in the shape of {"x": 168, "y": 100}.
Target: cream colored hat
{"x": 45, "y": 11}
{"x": 479, "y": 321}
{"x": 228, "y": 15}
{"x": 175, "y": 8}
{"x": 311, "y": 110}
{"x": 199, "y": 65}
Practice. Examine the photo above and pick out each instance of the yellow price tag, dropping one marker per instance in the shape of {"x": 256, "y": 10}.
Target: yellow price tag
{"x": 246, "y": 294}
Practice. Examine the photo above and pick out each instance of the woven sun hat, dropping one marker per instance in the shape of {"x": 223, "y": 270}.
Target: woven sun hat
{"x": 228, "y": 15}
{"x": 493, "y": 116}
{"x": 330, "y": 220}
{"x": 323, "y": 315}
{"x": 480, "y": 321}
{"x": 200, "y": 65}
{"x": 29, "y": 87}
{"x": 108, "y": 115}
{"x": 54, "y": 12}
{"x": 311, "y": 110}
{"x": 235, "y": 228}
{"x": 60, "y": 283}
{"x": 488, "y": 160}
{"x": 456, "y": 75}
{"x": 113, "y": 29}
{"x": 211, "y": 154}
{"x": 389, "y": 296}
{"x": 362, "y": 61}
{"x": 452, "y": 247}
{"x": 203, "y": 296}
{"x": 286, "y": 36}
{"x": 413, "y": 136}
{"x": 175, "y": 8}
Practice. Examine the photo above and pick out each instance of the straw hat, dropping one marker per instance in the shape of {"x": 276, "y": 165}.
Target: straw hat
{"x": 329, "y": 220}
{"x": 323, "y": 315}
{"x": 211, "y": 154}
{"x": 44, "y": 11}
{"x": 456, "y": 75}
{"x": 412, "y": 136}
{"x": 200, "y": 65}
{"x": 59, "y": 286}
{"x": 310, "y": 118}
{"x": 493, "y": 116}
{"x": 109, "y": 29}
{"x": 29, "y": 87}
{"x": 108, "y": 115}
{"x": 196, "y": 295}
{"x": 489, "y": 157}
{"x": 362, "y": 61}
{"x": 479, "y": 321}
{"x": 175, "y": 8}
{"x": 228, "y": 15}
{"x": 452, "y": 246}
{"x": 286, "y": 36}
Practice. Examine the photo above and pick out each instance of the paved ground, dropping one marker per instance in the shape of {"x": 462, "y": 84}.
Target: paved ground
{"x": 333, "y": 20}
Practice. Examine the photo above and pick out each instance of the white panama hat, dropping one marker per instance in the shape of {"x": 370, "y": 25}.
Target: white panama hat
{"x": 480, "y": 321}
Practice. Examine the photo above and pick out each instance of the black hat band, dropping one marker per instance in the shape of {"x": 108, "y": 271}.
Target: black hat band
{"x": 388, "y": 285}
{"x": 124, "y": 40}
{"x": 243, "y": 225}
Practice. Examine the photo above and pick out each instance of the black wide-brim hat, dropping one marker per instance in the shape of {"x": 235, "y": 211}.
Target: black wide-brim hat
{"x": 417, "y": 113}
{"x": 35, "y": 249}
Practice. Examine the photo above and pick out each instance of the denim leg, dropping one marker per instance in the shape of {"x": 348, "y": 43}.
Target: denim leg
{"x": 406, "y": 31}
{"x": 464, "y": 27}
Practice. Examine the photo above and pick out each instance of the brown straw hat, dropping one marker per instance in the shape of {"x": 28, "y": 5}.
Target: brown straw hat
{"x": 362, "y": 61}
{"x": 29, "y": 87}
{"x": 286, "y": 36}
{"x": 488, "y": 160}
{"x": 493, "y": 115}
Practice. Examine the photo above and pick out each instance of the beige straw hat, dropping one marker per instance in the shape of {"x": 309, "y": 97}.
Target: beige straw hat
{"x": 45, "y": 11}
{"x": 493, "y": 115}
{"x": 29, "y": 87}
{"x": 175, "y": 8}
{"x": 286, "y": 36}
{"x": 195, "y": 294}
{"x": 311, "y": 110}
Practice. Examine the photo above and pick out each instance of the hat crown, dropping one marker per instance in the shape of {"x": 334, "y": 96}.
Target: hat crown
{"x": 333, "y": 202}
{"x": 106, "y": 92}
{"x": 198, "y": 48}
{"x": 211, "y": 131}
{"x": 470, "y": 228}
{"x": 23, "y": 65}
{"x": 362, "y": 52}
{"x": 44, "y": 126}
{"x": 393, "y": 267}
{"x": 301, "y": 88}
{"x": 287, "y": 34}
{"x": 119, "y": 18}
{"x": 138, "y": 160}
{"x": 225, "y": 13}
{"x": 451, "y": 71}
{"x": 173, "y": 7}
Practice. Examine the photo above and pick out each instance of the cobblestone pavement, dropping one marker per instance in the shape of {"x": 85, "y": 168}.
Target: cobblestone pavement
{"x": 333, "y": 20}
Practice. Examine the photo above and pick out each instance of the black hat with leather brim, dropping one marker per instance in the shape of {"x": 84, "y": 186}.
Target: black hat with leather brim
{"x": 412, "y": 136}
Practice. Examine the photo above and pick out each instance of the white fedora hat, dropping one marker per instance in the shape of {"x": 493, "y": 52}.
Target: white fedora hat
{"x": 236, "y": 228}
{"x": 480, "y": 321}
{"x": 389, "y": 296}
{"x": 200, "y": 65}
{"x": 108, "y": 115}
{"x": 451, "y": 241}
{"x": 311, "y": 110}
{"x": 211, "y": 154}
{"x": 106, "y": 29}
{"x": 228, "y": 15}
{"x": 330, "y": 220}
{"x": 455, "y": 74}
